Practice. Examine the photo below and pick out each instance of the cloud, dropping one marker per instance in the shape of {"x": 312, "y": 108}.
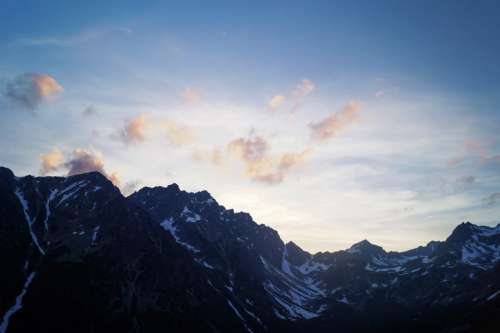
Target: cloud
{"x": 276, "y": 102}
{"x": 83, "y": 161}
{"x": 191, "y": 96}
{"x": 287, "y": 162}
{"x": 67, "y": 41}
{"x": 89, "y": 111}
{"x": 115, "y": 178}
{"x": 80, "y": 161}
{"x": 130, "y": 187}
{"x": 333, "y": 124}
{"x": 466, "y": 179}
{"x": 51, "y": 161}
{"x": 29, "y": 90}
{"x": 259, "y": 164}
{"x": 304, "y": 88}
{"x": 452, "y": 162}
{"x": 379, "y": 93}
{"x": 475, "y": 149}
{"x": 213, "y": 156}
{"x": 134, "y": 130}
{"x": 249, "y": 149}
{"x": 492, "y": 199}
{"x": 177, "y": 134}
{"x": 296, "y": 97}
{"x": 462, "y": 184}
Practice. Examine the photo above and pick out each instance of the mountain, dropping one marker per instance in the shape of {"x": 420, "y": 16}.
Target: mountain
{"x": 78, "y": 256}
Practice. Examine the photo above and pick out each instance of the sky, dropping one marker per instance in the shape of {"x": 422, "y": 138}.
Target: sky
{"x": 330, "y": 121}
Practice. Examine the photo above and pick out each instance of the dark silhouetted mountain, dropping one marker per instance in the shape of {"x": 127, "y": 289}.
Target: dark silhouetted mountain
{"x": 77, "y": 256}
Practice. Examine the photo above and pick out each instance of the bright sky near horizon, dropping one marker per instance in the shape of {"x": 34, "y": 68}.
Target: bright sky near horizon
{"x": 330, "y": 121}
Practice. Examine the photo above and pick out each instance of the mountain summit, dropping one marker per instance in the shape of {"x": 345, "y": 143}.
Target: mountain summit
{"x": 78, "y": 256}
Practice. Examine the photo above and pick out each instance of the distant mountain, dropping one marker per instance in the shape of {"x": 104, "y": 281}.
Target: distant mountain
{"x": 77, "y": 256}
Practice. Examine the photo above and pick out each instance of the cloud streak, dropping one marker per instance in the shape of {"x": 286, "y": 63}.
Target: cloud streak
{"x": 73, "y": 40}
{"x": 28, "y": 91}
{"x": 260, "y": 165}
{"x": 329, "y": 127}
{"x": 296, "y": 97}
{"x": 475, "y": 149}
{"x": 303, "y": 89}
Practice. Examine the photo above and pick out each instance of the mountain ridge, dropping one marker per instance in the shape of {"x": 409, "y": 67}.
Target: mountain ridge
{"x": 162, "y": 256}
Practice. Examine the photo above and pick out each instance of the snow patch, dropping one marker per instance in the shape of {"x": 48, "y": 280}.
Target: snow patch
{"x": 492, "y": 296}
{"x": 168, "y": 225}
{"x": 239, "y": 316}
{"x": 52, "y": 195}
{"x": 94, "y": 235}
{"x": 190, "y": 216}
{"x": 312, "y": 266}
{"x": 17, "y": 306}
{"x": 30, "y": 222}
{"x": 71, "y": 190}
{"x": 285, "y": 265}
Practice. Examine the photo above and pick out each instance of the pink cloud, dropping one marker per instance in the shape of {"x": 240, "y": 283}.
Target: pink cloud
{"x": 333, "y": 124}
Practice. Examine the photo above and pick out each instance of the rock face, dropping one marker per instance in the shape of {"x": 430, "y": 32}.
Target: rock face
{"x": 78, "y": 256}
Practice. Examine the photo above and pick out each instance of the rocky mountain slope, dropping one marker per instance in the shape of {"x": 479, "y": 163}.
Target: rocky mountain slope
{"x": 78, "y": 256}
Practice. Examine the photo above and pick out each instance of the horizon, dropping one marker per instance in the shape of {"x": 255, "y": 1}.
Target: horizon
{"x": 329, "y": 122}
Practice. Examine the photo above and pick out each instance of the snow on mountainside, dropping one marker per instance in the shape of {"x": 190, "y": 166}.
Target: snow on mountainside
{"x": 165, "y": 258}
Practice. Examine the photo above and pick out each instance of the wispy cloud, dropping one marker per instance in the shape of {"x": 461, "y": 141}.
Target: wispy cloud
{"x": 276, "y": 102}
{"x": 295, "y": 98}
{"x": 134, "y": 130}
{"x": 260, "y": 165}
{"x": 286, "y": 163}
{"x": 214, "y": 156}
{"x": 477, "y": 150}
{"x": 66, "y": 41}
{"x": 89, "y": 111}
{"x": 466, "y": 179}
{"x": 492, "y": 199}
{"x": 28, "y": 91}
{"x": 330, "y": 126}
{"x": 191, "y": 96}
{"x": 177, "y": 134}
{"x": 303, "y": 89}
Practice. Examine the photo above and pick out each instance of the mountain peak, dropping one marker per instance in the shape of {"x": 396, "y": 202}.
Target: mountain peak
{"x": 295, "y": 254}
{"x": 365, "y": 247}
{"x": 203, "y": 196}
{"x": 173, "y": 187}
{"x": 462, "y": 232}
{"x": 6, "y": 172}
{"x": 94, "y": 176}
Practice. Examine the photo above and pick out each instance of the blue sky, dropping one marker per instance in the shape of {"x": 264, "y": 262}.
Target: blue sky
{"x": 330, "y": 121}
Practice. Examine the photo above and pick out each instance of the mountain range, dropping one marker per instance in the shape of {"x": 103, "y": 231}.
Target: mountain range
{"x": 78, "y": 256}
